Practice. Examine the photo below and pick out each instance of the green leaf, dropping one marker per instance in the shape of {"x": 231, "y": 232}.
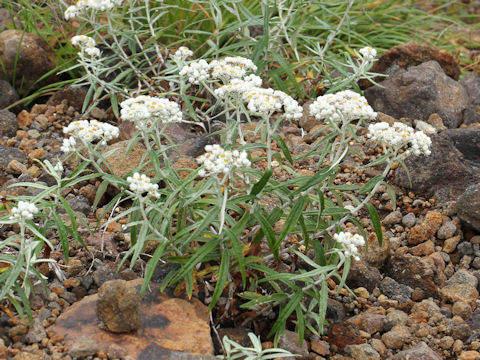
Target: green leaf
{"x": 268, "y": 232}
{"x": 282, "y": 145}
{"x": 151, "y": 266}
{"x": 100, "y": 192}
{"x": 73, "y": 221}
{"x": 291, "y": 221}
{"x": 391, "y": 194}
{"x": 223, "y": 272}
{"x": 257, "y": 188}
{"x": 346, "y": 270}
{"x": 284, "y": 313}
{"x": 371, "y": 184}
{"x": 376, "y": 222}
{"x": 323, "y": 303}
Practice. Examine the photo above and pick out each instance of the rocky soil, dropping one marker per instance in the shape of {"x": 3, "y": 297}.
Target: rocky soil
{"x": 416, "y": 296}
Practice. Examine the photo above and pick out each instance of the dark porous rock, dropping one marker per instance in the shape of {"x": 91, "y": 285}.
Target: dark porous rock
{"x": 443, "y": 175}
{"x": 8, "y": 154}
{"x": 421, "y": 351}
{"x": 37, "y": 333}
{"x": 464, "y": 277}
{"x": 362, "y": 352}
{"x": 363, "y": 275}
{"x": 8, "y": 95}
{"x": 8, "y": 123}
{"x": 413, "y": 271}
{"x": 474, "y": 320}
{"x": 335, "y": 310}
{"x": 81, "y": 204}
{"x": 468, "y": 206}
{"x": 413, "y": 54}
{"x": 467, "y": 141}
{"x": 29, "y": 56}
{"x": 419, "y": 92}
{"x": 395, "y": 291}
{"x": 118, "y": 306}
{"x": 74, "y": 97}
{"x": 104, "y": 274}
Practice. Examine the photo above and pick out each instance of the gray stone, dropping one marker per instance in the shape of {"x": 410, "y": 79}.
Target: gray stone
{"x": 421, "y": 351}
{"x": 447, "y": 230}
{"x": 468, "y": 206}
{"x": 362, "y": 352}
{"x": 396, "y": 317}
{"x": 8, "y": 123}
{"x": 363, "y": 275}
{"x": 36, "y": 333}
{"x": 81, "y": 204}
{"x": 471, "y": 84}
{"x": 27, "y": 57}
{"x": 463, "y": 277}
{"x": 289, "y": 341}
{"x": 419, "y": 92}
{"x": 409, "y": 220}
{"x": 395, "y": 291}
{"x": 393, "y": 218}
{"x": 8, "y": 154}
{"x": 465, "y": 248}
{"x": 8, "y": 95}
{"x": 84, "y": 346}
{"x": 467, "y": 141}
{"x": 443, "y": 175}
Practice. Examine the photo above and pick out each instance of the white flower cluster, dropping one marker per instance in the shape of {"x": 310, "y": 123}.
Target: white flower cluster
{"x": 400, "y": 135}
{"x": 181, "y": 54}
{"x": 24, "y": 210}
{"x": 86, "y": 45}
{"x": 68, "y": 145}
{"x": 350, "y": 243}
{"x": 140, "y": 184}
{"x": 267, "y": 101}
{"x": 237, "y": 87}
{"x": 58, "y": 167}
{"x": 147, "y": 111}
{"x": 88, "y": 131}
{"x": 218, "y": 161}
{"x": 82, "y": 6}
{"x": 344, "y": 105}
{"x": 231, "y": 68}
{"x": 196, "y": 71}
{"x": 368, "y": 53}
{"x": 225, "y": 69}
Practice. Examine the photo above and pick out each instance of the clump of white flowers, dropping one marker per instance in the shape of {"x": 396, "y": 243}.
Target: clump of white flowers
{"x": 368, "y": 53}
{"x": 89, "y": 131}
{"x": 24, "y": 211}
{"x": 231, "y": 68}
{"x": 82, "y": 6}
{"x": 181, "y": 54}
{"x": 86, "y": 45}
{"x": 264, "y": 102}
{"x": 141, "y": 184}
{"x": 237, "y": 87}
{"x": 196, "y": 72}
{"x": 147, "y": 111}
{"x": 400, "y": 135}
{"x": 216, "y": 160}
{"x": 345, "y": 105}
{"x": 68, "y": 145}
{"x": 350, "y": 243}
{"x": 58, "y": 167}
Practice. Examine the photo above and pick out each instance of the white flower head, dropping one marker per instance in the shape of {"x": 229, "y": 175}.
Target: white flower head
{"x": 350, "y": 243}
{"x": 237, "y": 87}
{"x": 82, "y": 6}
{"x": 88, "y": 131}
{"x": 230, "y": 68}
{"x": 399, "y": 136}
{"x": 24, "y": 210}
{"x": 86, "y": 45}
{"x": 196, "y": 71}
{"x": 58, "y": 167}
{"x": 345, "y": 105}
{"x": 216, "y": 160}
{"x": 181, "y": 54}
{"x": 267, "y": 101}
{"x": 147, "y": 111}
{"x": 368, "y": 53}
{"x": 68, "y": 145}
{"x": 141, "y": 184}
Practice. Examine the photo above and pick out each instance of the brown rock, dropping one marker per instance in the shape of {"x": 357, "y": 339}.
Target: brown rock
{"x": 320, "y": 347}
{"x": 183, "y": 165}
{"x": 397, "y": 337}
{"x": 363, "y": 275}
{"x": 118, "y": 307}
{"x": 369, "y": 322}
{"x": 450, "y": 245}
{"x": 376, "y": 254}
{"x": 413, "y": 271}
{"x": 16, "y": 167}
{"x": 167, "y": 325}
{"x": 412, "y": 54}
{"x": 29, "y": 56}
{"x": 468, "y": 206}
{"x": 469, "y": 355}
{"x": 423, "y": 232}
{"x": 36, "y": 154}
{"x": 462, "y": 309}
{"x": 121, "y": 164}
{"x": 423, "y": 249}
{"x": 24, "y": 119}
{"x": 459, "y": 292}
{"x": 362, "y": 352}
{"x": 74, "y": 97}
{"x": 344, "y": 333}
